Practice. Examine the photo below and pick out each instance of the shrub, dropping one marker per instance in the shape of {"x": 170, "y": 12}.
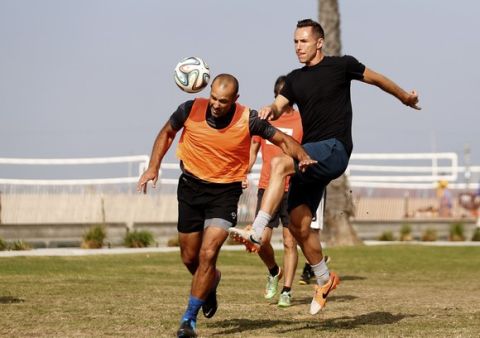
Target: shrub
{"x": 139, "y": 239}
{"x": 406, "y": 232}
{"x": 457, "y": 232}
{"x": 430, "y": 235}
{"x": 3, "y": 244}
{"x": 476, "y": 235}
{"x": 94, "y": 237}
{"x": 386, "y": 236}
{"x": 19, "y": 245}
{"x": 173, "y": 241}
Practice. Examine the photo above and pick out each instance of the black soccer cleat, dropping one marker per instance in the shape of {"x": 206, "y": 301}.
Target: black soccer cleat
{"x": 210, "y": 306}
{"x": 187, "y": 329}
{"x": 308, "y": 275}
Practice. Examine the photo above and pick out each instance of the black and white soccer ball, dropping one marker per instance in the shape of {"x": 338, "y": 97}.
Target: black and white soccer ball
{"x": 192, "y": 74}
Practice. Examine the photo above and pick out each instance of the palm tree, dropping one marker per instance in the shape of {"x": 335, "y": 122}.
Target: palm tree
{"x": 339, "y": 207}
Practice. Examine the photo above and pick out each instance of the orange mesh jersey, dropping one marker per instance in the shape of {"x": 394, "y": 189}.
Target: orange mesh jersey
{"x": 215, "y": 155}
{"x": 291, "y": 124}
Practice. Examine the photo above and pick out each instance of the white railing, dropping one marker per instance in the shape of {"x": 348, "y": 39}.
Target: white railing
{"x": 142, "y": 161}
{"x": 400, "y": 173}
{"x": 369, "y": 170}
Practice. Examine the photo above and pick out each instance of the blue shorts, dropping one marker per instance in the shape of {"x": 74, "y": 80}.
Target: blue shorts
{"x": 307, "y": 188}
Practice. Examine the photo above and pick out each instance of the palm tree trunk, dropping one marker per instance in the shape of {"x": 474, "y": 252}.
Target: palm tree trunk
{"x": 339, "y": 206}
{"x": 338, "y": 213}
{"x": 329, "y": 18}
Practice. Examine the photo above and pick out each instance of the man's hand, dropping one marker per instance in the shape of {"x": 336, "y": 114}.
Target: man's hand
{"x": 149, "y": 175}
{"x": 411, "y": 100}
{"x": 245, "y": 183}
{"x": 266, "y": 113}
{"x": 305, "y": 163}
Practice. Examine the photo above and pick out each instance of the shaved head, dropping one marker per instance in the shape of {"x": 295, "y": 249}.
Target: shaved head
{"x": 226, "y": 80}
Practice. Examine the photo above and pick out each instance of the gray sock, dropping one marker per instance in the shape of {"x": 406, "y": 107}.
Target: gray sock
{"x": 321, "y": 272}
{"x": 260, "y": 223}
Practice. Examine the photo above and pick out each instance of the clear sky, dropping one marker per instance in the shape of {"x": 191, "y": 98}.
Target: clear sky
{"x": 91, "y": 78}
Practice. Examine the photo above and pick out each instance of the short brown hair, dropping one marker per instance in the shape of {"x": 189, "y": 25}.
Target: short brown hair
{"x": 317, "y": 28}
{"x": 279, "y": 85}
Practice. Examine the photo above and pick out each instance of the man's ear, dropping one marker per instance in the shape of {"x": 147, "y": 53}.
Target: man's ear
{"x": 319, "y": 43}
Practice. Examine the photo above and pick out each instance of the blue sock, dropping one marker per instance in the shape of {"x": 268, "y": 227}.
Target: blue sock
{"x": 194, "y": 305}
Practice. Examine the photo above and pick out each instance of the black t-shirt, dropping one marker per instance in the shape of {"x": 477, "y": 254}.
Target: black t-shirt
{"x": 257, "y": 126}
{"x": 322, "y": 94}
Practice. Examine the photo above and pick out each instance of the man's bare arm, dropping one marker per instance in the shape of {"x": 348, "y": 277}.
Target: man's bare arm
{"x": 293, "y": 149}
{"x": 160, "y": 147}
{"x": 408, "y": 98}
{"x": 275, "y": 110}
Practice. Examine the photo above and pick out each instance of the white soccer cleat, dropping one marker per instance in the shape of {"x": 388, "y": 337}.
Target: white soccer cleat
{"x": 247, "y": 238}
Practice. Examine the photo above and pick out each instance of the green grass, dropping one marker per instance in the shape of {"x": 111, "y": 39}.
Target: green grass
{"x": 385, "y": 291}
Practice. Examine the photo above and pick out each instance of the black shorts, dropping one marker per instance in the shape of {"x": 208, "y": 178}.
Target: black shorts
{"x": 281, "y": 214}
{"x": 200, "y": 201}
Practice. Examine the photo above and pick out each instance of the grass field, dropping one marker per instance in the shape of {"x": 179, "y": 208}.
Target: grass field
{"x": 385, "y": 291}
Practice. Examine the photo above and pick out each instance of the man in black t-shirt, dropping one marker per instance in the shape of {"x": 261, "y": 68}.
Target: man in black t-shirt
{"x": 321, "y": 90}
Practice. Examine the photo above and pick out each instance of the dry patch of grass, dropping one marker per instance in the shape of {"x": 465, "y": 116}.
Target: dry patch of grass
{"x": 385, "y": 291}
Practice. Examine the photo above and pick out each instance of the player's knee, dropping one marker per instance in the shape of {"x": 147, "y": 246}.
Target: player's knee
{"x": 207, "y": 255}
{"x": 281, "y": 165}
{"x": 300, "y": 233}
{"x": 290, "y": 245}
{"x": 190, "y": 261}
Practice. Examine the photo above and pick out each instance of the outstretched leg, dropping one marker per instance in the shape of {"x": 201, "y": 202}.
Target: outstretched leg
{"x": 281, "y": 167}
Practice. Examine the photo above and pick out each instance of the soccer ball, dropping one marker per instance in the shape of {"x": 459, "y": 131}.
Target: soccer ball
{"x": 192, "y": 74}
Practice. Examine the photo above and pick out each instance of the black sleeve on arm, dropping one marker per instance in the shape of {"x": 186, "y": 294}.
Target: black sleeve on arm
{"x": 178, "y": 118}
{"x": 260, "y": 127}
{"x": 355, "y": 69}
{"x": 287, "y": 91}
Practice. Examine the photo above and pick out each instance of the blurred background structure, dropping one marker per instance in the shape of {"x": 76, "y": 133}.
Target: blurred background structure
{"x": 388, "y": 190}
